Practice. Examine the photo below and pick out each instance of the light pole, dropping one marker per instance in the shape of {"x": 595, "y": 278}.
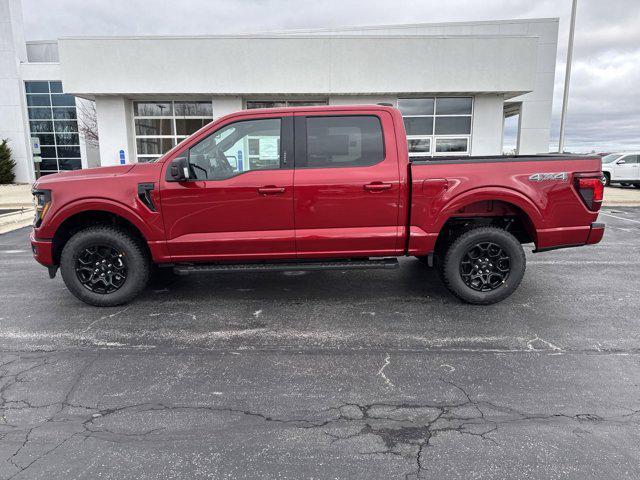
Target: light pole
{"x": 567, "y": 77}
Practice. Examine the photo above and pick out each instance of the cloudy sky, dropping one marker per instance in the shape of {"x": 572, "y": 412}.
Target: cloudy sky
{"x": 604, "y": 108}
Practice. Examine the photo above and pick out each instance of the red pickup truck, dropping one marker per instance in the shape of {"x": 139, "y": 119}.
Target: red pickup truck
{"x": 311, "y": 188}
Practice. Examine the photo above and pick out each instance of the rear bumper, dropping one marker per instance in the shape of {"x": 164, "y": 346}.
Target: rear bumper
{"x": 42, "y": 250}
{"x": 596, "y": 233}
{"x": 556, "y": 238}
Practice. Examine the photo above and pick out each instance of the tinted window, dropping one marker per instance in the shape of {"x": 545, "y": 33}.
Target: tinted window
{"x": 453, "y": 145}
{"x": 418, "y": 125}
{"x": 349, "y": 141}
{"x": 631, "y": 159}
{"x": 416, "y": 106}
{"x": 235, "y": 148}
{"x": 453, "y": 106}
{"x": 453, "y": 125}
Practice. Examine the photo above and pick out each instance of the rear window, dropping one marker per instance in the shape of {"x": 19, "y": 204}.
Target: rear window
{"x": 344, "y": 141}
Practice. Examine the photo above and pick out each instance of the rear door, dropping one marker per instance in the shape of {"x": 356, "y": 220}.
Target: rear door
{"x": 346, "y": 185}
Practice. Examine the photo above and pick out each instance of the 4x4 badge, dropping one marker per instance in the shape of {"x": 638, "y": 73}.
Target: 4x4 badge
{"x": 541, "y": 177}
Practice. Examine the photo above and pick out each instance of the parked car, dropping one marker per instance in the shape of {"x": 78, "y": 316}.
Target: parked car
{"x": 622, "y": 168}
{"x": 342, "y": 195}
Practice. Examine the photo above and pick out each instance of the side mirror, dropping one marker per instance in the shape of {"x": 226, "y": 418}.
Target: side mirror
{"x": 620, "y": 162}
{"x": 178, "y": 170}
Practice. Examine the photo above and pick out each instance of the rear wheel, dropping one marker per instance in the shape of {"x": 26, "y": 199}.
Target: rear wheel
{"x": 625, "y": 184}
{"x": 484, "y": 265}
{"x": 637, "y": 185}
{"x": 104, "y": 266}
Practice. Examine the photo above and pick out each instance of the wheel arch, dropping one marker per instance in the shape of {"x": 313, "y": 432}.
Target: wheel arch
{"x": 499, "y": 207}
{"x": 76, "y": 218}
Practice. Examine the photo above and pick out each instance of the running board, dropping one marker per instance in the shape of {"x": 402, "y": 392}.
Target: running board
{"x": 358, "y": 264}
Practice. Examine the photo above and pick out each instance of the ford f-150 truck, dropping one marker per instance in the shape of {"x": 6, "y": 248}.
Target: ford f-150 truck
{"x": 311, "y": 188}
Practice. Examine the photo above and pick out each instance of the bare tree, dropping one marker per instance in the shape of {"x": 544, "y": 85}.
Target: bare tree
{"x": 88, "y": 122}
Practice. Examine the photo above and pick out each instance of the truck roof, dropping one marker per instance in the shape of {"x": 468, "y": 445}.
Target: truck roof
{"x": 323, "y": 108}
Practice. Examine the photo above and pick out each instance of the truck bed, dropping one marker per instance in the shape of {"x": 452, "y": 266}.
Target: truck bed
{"x": 521, "y": 186}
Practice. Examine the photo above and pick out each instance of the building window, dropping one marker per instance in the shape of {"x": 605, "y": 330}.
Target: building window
{"x": 53, "y": 120}
{"x": 161, "y": 125}
{"x": 252, "y": 104}
{"x": 438, "y": 125}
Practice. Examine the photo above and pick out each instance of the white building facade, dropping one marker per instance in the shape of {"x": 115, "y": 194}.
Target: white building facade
{"x": 455, "y": 83}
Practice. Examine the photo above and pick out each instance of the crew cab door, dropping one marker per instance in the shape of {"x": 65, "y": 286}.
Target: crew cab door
{"x": 626, "y": 168}
{"x": 346, "y": 184}
{"x": 238, "y": 201}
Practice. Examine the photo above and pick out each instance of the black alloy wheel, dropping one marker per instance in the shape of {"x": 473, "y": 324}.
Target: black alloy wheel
{"x": 485, "y": 267}
{"x": 105, "y": 266}
{"x": 101, "y": 269}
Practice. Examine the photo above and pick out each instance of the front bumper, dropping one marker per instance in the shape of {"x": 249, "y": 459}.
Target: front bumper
{"x": 42, "y": 250}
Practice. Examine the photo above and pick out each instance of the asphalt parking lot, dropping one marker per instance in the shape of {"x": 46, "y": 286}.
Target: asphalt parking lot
{"x": 350, "y": 375}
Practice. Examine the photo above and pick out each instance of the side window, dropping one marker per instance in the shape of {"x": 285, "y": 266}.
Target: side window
{"x": 347, "y": 141}
{"x": 235, "y": 148}
{"x": 631, "y": 158}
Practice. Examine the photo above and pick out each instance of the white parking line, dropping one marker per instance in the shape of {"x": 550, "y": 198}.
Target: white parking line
{"x": 12, "y": 251}
{"x": 580, "y": 262}
{"x": 620, "y": 218}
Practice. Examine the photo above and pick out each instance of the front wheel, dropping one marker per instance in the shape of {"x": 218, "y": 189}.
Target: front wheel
{"x": 484, "y": 265}
{"x": 607, "y": 179}
{"x": 104, "y": 266}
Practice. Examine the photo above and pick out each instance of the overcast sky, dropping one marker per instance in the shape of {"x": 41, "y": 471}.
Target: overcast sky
{"x": 604, "y": 107}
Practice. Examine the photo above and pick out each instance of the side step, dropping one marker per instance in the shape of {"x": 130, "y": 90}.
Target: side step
{"x": 357, "y": 264}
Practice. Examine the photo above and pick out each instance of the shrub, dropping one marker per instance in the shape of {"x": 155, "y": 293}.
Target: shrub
{"x": 6, "y": 163}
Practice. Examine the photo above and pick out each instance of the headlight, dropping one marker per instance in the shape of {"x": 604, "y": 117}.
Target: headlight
{"x": 42, "y": 201}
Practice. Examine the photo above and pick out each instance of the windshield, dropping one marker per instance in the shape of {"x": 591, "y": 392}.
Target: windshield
{"x": 612, "y": 157}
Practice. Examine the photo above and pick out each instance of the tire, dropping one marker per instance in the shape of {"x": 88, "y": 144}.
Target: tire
{"x": 625, "y": 184}
{"x": 637, "y": 185}
{"x": 112, "y": 245}
{"x": 502, "y": 284}
{"x": 607, "y": 179}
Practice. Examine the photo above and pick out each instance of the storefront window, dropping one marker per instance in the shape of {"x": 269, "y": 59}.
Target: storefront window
{"x": 53, "y": 120}
{"x": 438, "y": 125}
{"x": 159, "y": 126}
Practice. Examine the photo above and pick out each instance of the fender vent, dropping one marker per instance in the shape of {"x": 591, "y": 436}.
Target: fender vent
{"x": 144, "y": 194}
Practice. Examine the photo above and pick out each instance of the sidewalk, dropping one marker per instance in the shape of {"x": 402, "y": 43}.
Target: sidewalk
{"x": 16, "y": 207}
{"x": 617, "y": 196}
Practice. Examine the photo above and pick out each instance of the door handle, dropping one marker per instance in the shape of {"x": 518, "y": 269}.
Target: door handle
{"x": 377, "y": 186}
{"x": 270, "y": 190}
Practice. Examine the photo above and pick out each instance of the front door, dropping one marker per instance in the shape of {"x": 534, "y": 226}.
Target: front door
{"x": 238, "y": 202}
{"x": 347, "y": 185}
{"x": 626, "y": 168}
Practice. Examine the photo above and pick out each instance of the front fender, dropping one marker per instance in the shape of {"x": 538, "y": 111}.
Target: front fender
{"x": 150, "y": 230}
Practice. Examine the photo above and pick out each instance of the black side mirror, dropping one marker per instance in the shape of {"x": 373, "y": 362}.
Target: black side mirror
{"x": 178, "y": 170}
{"x": 620, "y": 162}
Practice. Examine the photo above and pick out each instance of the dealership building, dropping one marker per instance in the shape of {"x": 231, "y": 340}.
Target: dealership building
{"x": 455, "y": 84}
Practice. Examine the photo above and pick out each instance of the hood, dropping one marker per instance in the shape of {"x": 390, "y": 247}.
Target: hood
{"x": 88, "y": 173}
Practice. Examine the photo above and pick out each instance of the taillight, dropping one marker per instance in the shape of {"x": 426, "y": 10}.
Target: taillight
{"x": 591, "y": 190}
